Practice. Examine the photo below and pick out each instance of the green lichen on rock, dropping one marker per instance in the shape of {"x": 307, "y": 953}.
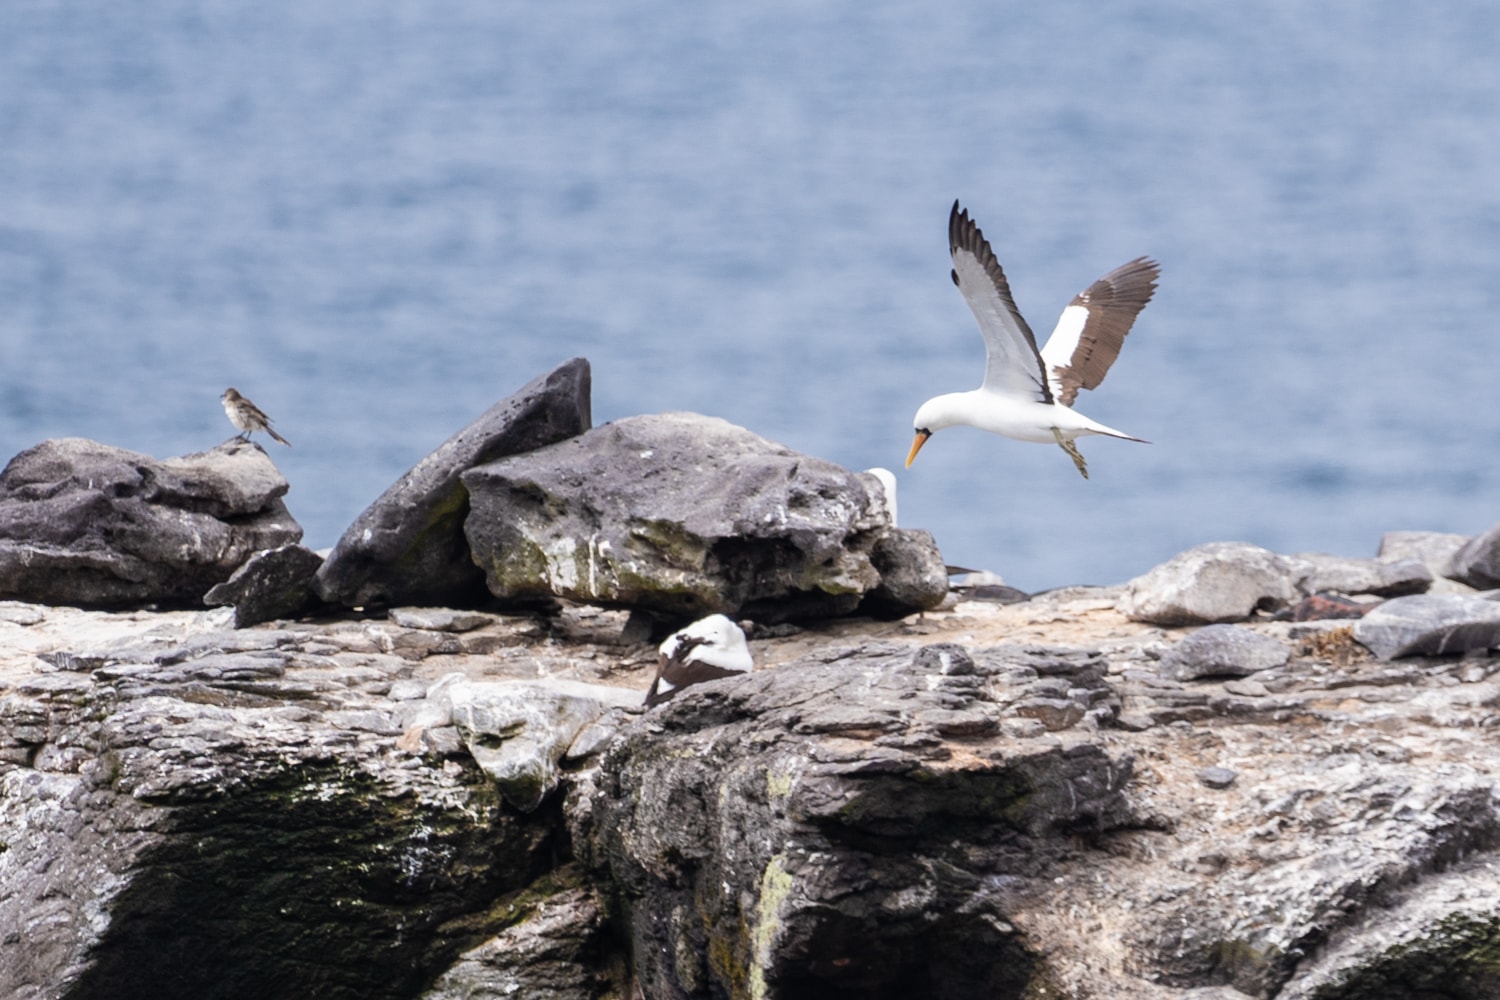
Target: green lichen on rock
{"x": 682, "y": 515}
{"x": 1458, "y": 958}
{"x": 776, "y": 885}
{"x": 516, "y": 571}
{"x": 1244, "y": 961}
{"x": 669, "y": 541}
{"x": 312, "y": 880}
{"x": 779, "y": 784}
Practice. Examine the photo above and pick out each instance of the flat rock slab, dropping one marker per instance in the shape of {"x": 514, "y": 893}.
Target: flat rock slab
{"x": 518, "y": 731}
{"x": 689, "y": 516}
{"x": 441, "y": 619}
{"x": 1430, "y": 624}
{"x": 1217, "y": 582}
{"x": 91, "y": 525}
{"x": 1223, "y": 651}
{"x": 408, "y": 547}
{"x": 1318, "y": 572}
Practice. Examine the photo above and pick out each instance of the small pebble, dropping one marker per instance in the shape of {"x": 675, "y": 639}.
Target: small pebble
{"x": 1217, "y": 777}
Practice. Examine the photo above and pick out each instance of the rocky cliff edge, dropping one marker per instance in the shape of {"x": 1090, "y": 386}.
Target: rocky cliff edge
{"x": 1040, "y": 799}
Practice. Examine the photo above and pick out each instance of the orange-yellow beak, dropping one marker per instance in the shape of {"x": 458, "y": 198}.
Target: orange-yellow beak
{"x": 916, "y": 446}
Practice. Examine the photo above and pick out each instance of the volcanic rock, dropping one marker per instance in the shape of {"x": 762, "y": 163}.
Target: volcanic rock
{"x": 550, "y": 949}
{"x": 91, "y": 525}
{"x": 408, "y": 547}
{"x": 275, "y": 583}
{"x": 1432, "y": 624}
{"x": 1004, "y": 801}
{"x": 1217, "y": 582}
{"x": 1477, "y": 562}
{"x": 912, "y": 575}
{"x": 773, "y": 839}
{"x": 688, "y": 516}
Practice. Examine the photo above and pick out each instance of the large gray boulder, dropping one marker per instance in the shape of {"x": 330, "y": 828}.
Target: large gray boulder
{"x": 1477, "y": 562}
{"x": 408, "y": 546}
{"x": 1217, "y": 582}
{"x": 89, "y": 524}
{"x": 689, "y": 515}
{"x": 1433, "y": 624}
{"x": 1319, "y": 572}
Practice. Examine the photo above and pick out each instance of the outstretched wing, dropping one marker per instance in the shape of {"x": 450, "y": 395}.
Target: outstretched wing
{"x": 1013, "y": 365}
{"x": 1090, "y": 331}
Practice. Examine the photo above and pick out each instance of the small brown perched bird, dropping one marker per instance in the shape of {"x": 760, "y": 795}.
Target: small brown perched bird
{"x": 247, "y": 416}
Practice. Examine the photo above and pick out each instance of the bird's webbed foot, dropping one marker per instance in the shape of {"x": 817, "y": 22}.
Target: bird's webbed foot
{"x": 1073, "y": 452}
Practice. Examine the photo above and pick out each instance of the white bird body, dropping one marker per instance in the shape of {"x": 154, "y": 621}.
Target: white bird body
{"x": 706, "y": 650}
{"x": 1027, "y": 393}
{"x": 1010, "y": 416}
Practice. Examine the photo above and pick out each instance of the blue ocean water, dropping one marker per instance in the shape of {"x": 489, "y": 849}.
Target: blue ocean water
{"x": 377, "y": 218}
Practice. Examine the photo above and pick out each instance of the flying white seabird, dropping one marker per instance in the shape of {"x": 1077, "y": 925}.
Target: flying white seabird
{"x": 1028, "y": 394}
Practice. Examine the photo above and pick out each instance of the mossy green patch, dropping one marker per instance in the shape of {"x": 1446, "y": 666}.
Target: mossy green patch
{"x": 1457, "y": 957}
{"x": 669, "y": 542}
{"x": 315, "y": 878}
{"x": 779, "y": 785}
{"x": 776, "y": 885}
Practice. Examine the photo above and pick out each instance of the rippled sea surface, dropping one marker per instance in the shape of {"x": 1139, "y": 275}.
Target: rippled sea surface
{"x": 378, "y": 218}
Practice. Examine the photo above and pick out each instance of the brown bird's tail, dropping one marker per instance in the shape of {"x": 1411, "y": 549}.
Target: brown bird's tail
{"x": 278, "y": 437}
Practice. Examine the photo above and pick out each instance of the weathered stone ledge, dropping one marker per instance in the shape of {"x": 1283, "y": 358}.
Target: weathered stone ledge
{"x": 983, "y": 800}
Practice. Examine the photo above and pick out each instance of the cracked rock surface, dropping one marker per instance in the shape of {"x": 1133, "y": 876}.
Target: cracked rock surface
{"x": 1009, "y": 801}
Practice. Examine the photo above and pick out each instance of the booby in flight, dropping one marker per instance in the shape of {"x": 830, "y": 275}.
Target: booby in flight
{"x": 1027, "y": 393}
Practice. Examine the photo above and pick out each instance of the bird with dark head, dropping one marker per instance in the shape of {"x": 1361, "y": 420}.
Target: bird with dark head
{"x": 706, "y": 650}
